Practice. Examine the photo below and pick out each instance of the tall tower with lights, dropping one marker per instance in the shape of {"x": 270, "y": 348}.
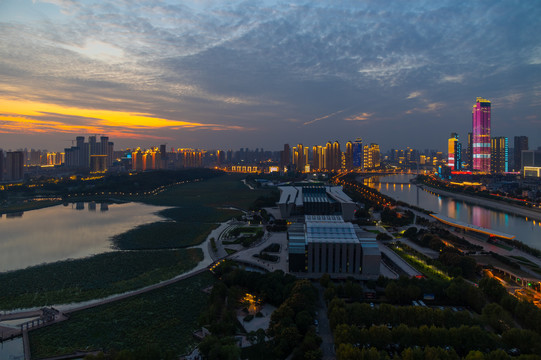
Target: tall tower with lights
{"x": 481, "y": 135}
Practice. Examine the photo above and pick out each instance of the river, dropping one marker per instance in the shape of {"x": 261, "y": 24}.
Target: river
{"x": 398, "y": 187}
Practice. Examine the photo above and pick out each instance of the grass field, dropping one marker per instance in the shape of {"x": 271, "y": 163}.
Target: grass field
{"x": 165, "y": 317}
{"x": 94, "y": 277}
{"x": 197, "y": 209}
{"x": 226, "y": 190}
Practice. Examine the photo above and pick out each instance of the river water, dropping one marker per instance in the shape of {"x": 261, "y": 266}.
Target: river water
{"x": 398, "y": 187}
{"x": 73, "y": 230}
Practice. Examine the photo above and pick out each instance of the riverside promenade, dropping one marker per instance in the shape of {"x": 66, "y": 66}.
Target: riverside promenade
{"x": 493, "y": 204}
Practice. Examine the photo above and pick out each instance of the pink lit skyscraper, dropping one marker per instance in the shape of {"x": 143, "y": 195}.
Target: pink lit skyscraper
{"x": 481, "y": 135}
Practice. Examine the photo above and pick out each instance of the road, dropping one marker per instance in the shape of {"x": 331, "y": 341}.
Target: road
{"x": 327, "y": 345}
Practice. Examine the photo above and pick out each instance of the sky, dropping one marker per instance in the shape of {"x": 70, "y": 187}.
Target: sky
{"x": 230, "y": 74}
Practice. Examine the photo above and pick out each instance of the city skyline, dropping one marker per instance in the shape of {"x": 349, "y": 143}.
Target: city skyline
{"x": 217, "y": 76}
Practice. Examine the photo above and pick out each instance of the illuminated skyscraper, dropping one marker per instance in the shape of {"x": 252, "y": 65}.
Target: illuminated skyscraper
{"x": 481, "y": 135}
{"x": 454, "y": 160}
{"x": 499, "y": 157}
{"x": 349, "y": 156}
{"x": 337, "y": 156}
{"x": 371, "y": 156}
{"x": 358, "y": 153}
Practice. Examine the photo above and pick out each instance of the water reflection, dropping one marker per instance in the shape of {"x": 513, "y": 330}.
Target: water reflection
{"x": 524, "y": 229}
{"x": 62, "y": 232}
{"x": 12, "y": 349}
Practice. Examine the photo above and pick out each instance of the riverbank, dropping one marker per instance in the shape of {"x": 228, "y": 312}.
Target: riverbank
{"x": 493, "y": 204}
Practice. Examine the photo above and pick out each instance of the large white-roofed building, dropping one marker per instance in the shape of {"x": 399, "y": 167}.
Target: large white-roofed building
{"x": 315, "y": 200}
{"x": 327, "y": 244}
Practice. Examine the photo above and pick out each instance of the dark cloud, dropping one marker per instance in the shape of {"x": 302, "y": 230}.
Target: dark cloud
{"x": 303, "y": 72}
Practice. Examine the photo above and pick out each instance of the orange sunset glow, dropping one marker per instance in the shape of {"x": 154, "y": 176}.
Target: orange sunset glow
{"x": 35, "y": 117}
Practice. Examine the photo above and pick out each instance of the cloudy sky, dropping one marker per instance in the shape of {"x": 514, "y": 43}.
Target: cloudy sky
{"x": 231, "y": 74}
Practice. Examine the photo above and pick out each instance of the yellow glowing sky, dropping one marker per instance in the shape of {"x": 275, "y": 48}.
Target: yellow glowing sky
{"x": 23, "y": 116}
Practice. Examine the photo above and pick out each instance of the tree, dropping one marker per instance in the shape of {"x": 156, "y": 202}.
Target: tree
{"x": 496, "y": 316}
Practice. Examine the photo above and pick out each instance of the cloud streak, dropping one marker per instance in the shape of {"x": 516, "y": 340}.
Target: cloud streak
{"x": 192, "y": 70}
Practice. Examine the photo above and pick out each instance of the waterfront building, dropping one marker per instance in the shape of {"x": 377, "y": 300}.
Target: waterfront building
{"x": 520, "y": 143}
{"x": 454, "y": 160}
{"x": 327, "y": 244}
{"x": 78, "y": 156}
{"x": 371, "y": 156}
{"x": 481, "y": 135}
{"x": 499, "y": 155}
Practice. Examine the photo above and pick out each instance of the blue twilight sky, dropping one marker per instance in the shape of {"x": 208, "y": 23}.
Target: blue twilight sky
{"x": 230, "y": 74}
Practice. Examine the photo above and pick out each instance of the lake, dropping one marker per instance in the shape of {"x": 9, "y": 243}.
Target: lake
{"x": 61, "y": 232}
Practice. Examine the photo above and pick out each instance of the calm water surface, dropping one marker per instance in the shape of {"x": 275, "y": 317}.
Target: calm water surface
{"x": 398, "y": 187}
{"x": 67, "y": 231}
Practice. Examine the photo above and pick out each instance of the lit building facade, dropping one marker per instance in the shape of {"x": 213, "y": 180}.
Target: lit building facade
{"x": 371, "y": 156}
{"x": 454, "y": 159}
{"x": 499, "y": 156}
{"x": 481, "y": 135}
{"x": 358, "y": 153}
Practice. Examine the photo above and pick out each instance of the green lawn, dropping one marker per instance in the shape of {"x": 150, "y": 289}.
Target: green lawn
{"x": 94, "y": 277}
{"x": 165, "y": 317}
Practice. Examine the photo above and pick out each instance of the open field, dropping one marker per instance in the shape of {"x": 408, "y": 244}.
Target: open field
{"x": 198, "y": 207}
{"x": 91, "y": 278}
{"x": 165, "y": 318}
{"x": 163, "y": 235}
{"x": 223, "y": 191}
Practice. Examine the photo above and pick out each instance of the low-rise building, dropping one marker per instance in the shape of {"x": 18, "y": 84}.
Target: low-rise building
{"x": 327, "y": 244}
{"x": 315, "y": 200}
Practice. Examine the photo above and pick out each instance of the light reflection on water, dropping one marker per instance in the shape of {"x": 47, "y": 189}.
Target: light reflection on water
{"x": 525, "y": 230}
{"x": 67, "y": 231}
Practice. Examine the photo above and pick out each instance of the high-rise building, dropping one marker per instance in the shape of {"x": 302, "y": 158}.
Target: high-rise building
{"x": 299, "y": 160}
{"x": 329, "y": 158}
{"x": 337, "y": 156}
{"x": 371, "y": 156}
{"x": 499, "y": 155}
{"x": 14, "y": 165}
{"x": 349, "y": 156}
{"x": 285, "y": 157}
{"x": 481, "y": 135}
{"x": 521, "y": 143}
{"x": 469, "y": 152}
{"x": 358, "y": 153}
{"x": 454, "y": 160}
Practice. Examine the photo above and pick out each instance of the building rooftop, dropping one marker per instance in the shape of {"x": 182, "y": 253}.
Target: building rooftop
{"x": 329, "y": 229}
